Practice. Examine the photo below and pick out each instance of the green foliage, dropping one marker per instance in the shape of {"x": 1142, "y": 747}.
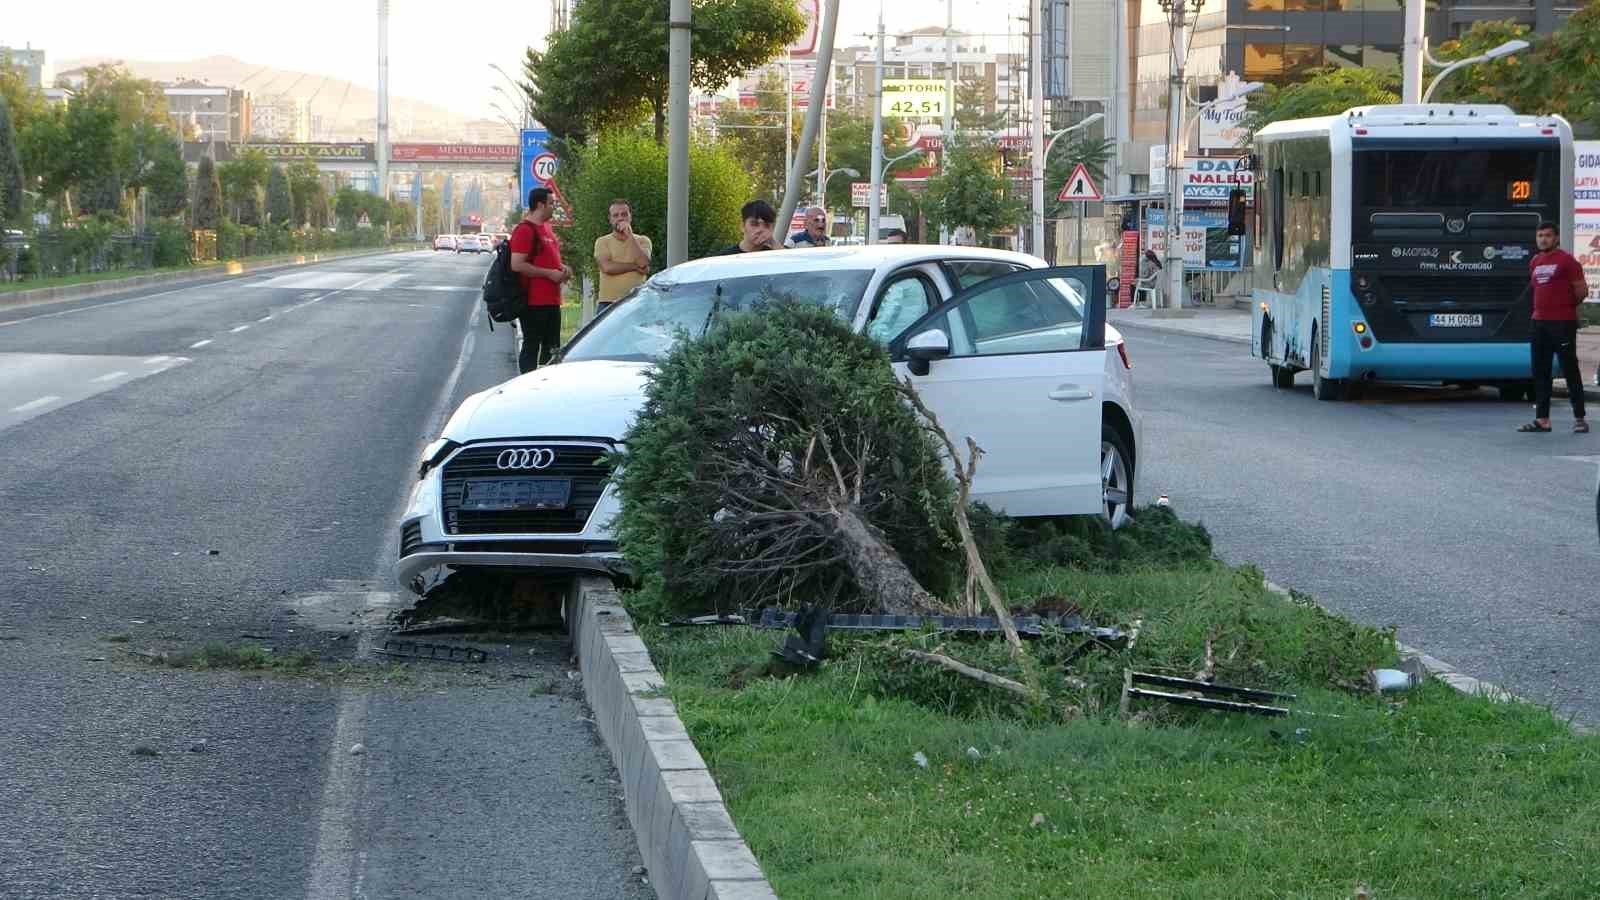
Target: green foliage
{"x": 787, "y": 373}
{"x": 172, "y": 244}
{"x": 11, "y": 197}
{"x": 971, "y": 191}
{"x": 24, "y": 100}
{"x": 1556, "y": 74}
{"x": 167, "y": 178}
{"x": 755, "y": 136}
{"x": 634, "y": 167}
{"x": 1328, "y": 92}
{"x": 207, "y": 205}
{"x": 280, "y": 204}
{"x": 243, "y": 179}
{"x": 1155, "y": 537}
{"x": 976, "y": 108}
{"x": 850, "y": 147}
{"x": 101, "y": 195}
{"x": 310, "y": 198}
{"x": 1084, "y": 147}
{"x": 611, "y": 63}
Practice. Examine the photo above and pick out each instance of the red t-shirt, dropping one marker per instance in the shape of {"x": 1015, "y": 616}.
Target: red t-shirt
{"x": 1554, "y": 274}
{"x": 541, "y": 291}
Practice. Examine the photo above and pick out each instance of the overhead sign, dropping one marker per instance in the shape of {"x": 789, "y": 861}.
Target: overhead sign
{"x": 806, "y": 43}
{"x": 861, "y": 192}
{"x": 913, "y": 98}
{"x": 1222, "y": 125}
{"x": 279, "y": 152}
{"x": 1079, "y": 186}
{"x": 487, "y": 153}
{"x": 1586, "y": 209}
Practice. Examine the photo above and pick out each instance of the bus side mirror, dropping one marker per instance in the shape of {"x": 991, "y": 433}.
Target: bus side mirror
{"x": 1235, "y": 212}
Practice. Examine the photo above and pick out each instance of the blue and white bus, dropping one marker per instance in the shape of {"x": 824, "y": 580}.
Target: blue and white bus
{"x": 1393, "y": 244}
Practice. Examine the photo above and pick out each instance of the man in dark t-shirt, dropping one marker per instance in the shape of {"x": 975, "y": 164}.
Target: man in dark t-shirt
{"x": 756, "y": 218}
{"x": 1558, "y": 288}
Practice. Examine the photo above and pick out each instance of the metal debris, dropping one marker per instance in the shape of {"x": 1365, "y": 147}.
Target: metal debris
{"x": 726, "y": 619}
{"x": 1027, "y": 626}
{"x": 440, "y": 652}
{"x": 1193, "y": 694}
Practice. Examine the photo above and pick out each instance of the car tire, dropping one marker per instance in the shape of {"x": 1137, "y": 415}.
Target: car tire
{"x": 1116, "y": 477}
{"x": 1328, "y": 390}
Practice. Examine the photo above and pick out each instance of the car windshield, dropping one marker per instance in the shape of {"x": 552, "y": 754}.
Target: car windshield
{"x": 646, "y": 325}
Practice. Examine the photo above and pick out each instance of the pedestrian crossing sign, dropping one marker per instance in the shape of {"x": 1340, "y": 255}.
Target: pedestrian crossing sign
{"x": 1079, "y": 186}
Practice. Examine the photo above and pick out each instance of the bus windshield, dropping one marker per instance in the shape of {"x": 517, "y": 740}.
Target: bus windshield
{"x": 1497, "y": 179}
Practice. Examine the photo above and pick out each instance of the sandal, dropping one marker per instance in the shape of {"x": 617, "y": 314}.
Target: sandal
{"x": 1532, "y": 427}
{"x": 1580, "y": 427}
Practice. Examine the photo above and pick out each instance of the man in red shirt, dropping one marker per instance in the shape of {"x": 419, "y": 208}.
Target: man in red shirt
{"x": 536, "y": 256}
{"x": 1558, "y": 288}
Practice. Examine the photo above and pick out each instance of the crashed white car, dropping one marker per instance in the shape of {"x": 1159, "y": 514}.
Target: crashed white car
{"x": 1017, "y": 356}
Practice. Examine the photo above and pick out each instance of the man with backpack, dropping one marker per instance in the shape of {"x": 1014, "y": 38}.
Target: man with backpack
{"x": 536, "y": 256}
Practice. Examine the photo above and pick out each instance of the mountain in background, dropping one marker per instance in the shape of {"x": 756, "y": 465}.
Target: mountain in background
{"x": 344, "y": 110}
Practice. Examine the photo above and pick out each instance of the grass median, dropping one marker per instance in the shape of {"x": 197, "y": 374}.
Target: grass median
{"x": 1427, "y": 793}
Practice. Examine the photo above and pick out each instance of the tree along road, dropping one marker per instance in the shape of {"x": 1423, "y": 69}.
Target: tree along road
{"x": 1416, "y": 507}
{"x": 229, "y": 460}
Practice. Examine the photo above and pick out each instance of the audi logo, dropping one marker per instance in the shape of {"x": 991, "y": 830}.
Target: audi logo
{"x": 525, "y": 458}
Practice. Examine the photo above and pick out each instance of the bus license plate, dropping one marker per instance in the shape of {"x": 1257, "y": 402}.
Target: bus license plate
{"x": 1456, "y": 320}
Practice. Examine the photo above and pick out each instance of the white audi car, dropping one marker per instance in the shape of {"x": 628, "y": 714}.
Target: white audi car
{"x": 1015, "y": 355}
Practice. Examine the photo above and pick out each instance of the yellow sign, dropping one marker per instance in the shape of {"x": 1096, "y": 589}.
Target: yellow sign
{"x": 914, "y": 98}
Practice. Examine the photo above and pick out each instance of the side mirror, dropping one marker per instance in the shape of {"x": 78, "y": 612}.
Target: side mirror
{"x": 925, "y": 347}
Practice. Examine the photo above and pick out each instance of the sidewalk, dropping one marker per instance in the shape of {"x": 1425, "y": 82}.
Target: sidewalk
{"x": 1233, "y": 325}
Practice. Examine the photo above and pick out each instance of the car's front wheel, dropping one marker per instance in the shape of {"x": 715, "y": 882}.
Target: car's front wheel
{"x": 1116, "y": 477}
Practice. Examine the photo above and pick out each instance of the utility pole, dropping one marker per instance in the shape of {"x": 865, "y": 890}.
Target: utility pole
{"x": 873, "y": 206}
{"x": 678, "y": 134}
{"x": 1411, "y": 61}
{"x": 1036, "y": 85}
{"x": 947, "y": 136}
{"x": 788, "y": 113}
{"x": 808, "y": 132}
{"x": 383, "y": 99}
{"x": 1176, "y": 11}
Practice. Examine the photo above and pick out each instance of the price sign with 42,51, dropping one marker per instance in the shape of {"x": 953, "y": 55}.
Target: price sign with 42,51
{"x": 914, "y": 98}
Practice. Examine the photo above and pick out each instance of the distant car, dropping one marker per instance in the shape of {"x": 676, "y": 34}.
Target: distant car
{"x": 444, "y": 242}
{"x": 486, "y": 243}
{"x": 467, "y": 243}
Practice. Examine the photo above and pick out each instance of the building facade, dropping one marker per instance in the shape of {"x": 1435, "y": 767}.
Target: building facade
{"x": 207, "y": 112}
{"x": 280, "y": 118}
{"x": 31, "y": 62}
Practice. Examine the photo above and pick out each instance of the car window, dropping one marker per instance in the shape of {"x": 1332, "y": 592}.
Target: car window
{"x": 904, "y": 300}
{"x": 647, "y": 325}
{"x": 969, "y": 272}
{"x": 1041, "y": 316}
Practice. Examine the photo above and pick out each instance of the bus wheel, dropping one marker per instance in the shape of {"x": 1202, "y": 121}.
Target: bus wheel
{"x": 1326, "y": 389}
{"x": 1282, "y": 376}
{"x": 1514, "y": 393}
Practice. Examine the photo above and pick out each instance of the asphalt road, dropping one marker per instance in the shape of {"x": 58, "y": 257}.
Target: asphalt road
{"x": 229, "y": 459}
{"x": 1419, "y": 508}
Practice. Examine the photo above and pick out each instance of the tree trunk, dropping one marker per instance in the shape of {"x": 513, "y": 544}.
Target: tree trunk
{"x": 659, "y": 105}
{"x": 877, "y": 568}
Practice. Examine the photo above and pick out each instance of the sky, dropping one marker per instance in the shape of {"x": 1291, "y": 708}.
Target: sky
{"x": 439, "y": 51}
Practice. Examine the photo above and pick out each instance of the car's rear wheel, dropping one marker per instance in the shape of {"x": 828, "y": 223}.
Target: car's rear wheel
{"x": 1116, "y": 477}
{"x": 1328, "y": 389}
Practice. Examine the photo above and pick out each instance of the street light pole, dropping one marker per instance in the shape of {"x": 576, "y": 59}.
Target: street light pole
{"x": 1036, "y": 85}
{"x": 678, "y": 138}
{"x": 383, "y": 99}
{"x": 947, "y": 134}
{"x": 1506, "y": 49}
{"x": 1177, "y": 19}
{"x": 874, "y": 207}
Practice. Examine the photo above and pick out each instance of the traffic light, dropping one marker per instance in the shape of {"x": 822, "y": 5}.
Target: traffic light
{"x": 1236, "y": 212}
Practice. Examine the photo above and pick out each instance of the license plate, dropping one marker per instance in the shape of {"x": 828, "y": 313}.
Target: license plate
{"x": 515, "y": 494}
{"x": 1456, "y": 320}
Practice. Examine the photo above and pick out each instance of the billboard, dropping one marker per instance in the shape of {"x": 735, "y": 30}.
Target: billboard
{"x": 1222, "y": 125}
{"x": 1586, "y": 212}
{"x": 806, "y": 43}
{"x": 861, "y": 192}
{"x": 486, "y": 153}
{"x": 1206, "y": 242}
{"x": 922, "y": 98}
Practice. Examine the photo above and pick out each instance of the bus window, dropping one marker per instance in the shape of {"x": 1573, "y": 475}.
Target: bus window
{"x": 1277, "y": 219}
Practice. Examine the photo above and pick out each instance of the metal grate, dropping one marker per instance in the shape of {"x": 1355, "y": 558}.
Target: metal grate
{"x": 410, "y": 538}
{"x": 583, "y": 463}
{"x": 1327, "y": 315}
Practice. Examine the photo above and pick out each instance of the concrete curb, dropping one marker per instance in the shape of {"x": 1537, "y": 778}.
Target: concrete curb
{"x": 687, "y": 839}
{"x": 134, "y": 282}
{"x": 1438, "y": 668}
{"x": 1559, "y": 389}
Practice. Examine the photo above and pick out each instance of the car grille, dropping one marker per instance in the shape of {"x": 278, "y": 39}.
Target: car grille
{"x": 583, "y": 463}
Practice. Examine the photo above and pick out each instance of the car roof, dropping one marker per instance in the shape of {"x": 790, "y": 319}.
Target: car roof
{"x": 836, "y": 258}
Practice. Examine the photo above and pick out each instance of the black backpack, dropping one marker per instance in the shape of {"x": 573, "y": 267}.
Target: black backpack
{"x": 504, "y": 295}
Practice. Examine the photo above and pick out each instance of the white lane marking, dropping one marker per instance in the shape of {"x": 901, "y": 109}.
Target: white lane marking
{"x": 239, "y": 329}
{"x": 198, "y": 344}
{"x": 264, "y": 319}
{"x": 337, "y": 863}
{"x": 32, "y": 405}
{"x": 111, "y": 376}
{"x": 156, "y": 360}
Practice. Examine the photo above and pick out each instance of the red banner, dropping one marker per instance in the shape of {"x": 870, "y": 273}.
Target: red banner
{"x": 1130, "y": 268}
{"x": 489, "y": 153}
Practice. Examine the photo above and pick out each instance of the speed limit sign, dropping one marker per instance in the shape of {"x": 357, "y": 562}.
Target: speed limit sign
{"x": 544, "y": 168}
